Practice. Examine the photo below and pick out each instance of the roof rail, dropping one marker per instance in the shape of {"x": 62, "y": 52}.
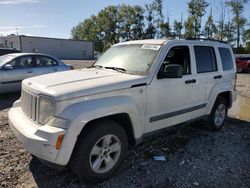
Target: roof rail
{"x": 207, "y": 39}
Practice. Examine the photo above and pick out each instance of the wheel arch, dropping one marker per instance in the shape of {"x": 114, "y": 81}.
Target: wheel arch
{"x": 228, "y": 96}
{"x": 223, "y": 89}
{"x": 123, "y": 119}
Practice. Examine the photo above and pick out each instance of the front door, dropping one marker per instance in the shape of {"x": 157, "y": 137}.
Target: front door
{"x": 21, "y": 68}
{"x": 170, "y": 101}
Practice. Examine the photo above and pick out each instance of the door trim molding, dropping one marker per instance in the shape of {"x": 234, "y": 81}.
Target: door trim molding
{"x": 176, "y": 113}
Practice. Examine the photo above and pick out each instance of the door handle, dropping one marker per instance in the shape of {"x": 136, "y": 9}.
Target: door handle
{"x": 190, "y": 81}
{"x": 29, "y": 71}
{"x": 218, "y": 77}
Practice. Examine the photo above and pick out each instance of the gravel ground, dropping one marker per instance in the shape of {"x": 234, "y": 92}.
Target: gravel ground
{"x": 195, "y": 157}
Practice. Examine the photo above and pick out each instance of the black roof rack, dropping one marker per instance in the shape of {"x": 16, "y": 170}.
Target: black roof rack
{"x": 206, "y": 39}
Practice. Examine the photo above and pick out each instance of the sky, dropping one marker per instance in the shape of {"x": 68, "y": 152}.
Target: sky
{"x": 56, "y": 18}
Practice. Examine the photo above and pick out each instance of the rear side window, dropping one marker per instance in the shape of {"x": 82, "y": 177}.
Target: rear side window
{"x": 205, "y": 59}
{"x": 226, "y": 58}
{"x": 42, "y": 61}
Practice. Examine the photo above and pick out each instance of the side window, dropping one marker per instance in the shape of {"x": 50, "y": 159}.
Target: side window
{"x": 205, "y": 59}
{"x": 22, "y": 62}
{"x": 42, "y": 61}
{"x": 226, "y": 58}
{"x": 179, "y": 55}
{"x": 14, "y": 64}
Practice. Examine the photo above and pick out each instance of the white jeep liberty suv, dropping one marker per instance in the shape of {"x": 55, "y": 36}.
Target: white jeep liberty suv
{"x": 87, "y": 119}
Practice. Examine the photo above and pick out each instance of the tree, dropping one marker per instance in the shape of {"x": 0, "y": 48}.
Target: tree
{"x": 165, "y": 29}
{"x": 237, "y": 8}
{"x": 107, "y": 20}
{"x": 101, "y": 28}
{"x": 162, "y": 28}
{"x": 247, "y": 39}
{"x": 88, "y": 30}
{"x": 229, "y": 31}
{"x": 210, "y": 28}
{"x": 111, "y": 25}
{"x": 138, "y": 26}
{"x": 221, "y": 22}
{"x": 197, "y": 9}
{"x": 189, "y": 27}
{"x": 150, "y": 30}
{"x": 131, "y": 22}
{"x": 177, "y": 28}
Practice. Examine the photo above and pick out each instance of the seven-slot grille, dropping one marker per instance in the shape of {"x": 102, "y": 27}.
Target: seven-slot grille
{"x": 29, "y": 104}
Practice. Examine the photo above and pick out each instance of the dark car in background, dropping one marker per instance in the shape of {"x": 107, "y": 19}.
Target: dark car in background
{"x": 4, "y": 51}
{"x": 243, "y": 64}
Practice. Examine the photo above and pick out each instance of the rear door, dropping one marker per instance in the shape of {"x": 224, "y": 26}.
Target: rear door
{"x": 45, "y": 65}
{"x": 22, "y": 67}
{"x": 208, "y": 74}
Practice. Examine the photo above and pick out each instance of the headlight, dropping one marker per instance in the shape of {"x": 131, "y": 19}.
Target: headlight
{"x": 46, "y": 110}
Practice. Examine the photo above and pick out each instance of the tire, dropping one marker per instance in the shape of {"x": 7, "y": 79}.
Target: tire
{"x": 99, "y": 151}
{"x": 218, "y": 114}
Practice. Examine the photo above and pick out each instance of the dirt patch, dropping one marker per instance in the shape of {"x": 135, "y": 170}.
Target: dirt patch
{"x": 243, "y": 84}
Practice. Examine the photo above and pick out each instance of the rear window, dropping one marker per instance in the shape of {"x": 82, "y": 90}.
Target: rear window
{"x": 205, "y": 59}
{"x": 226, "y": 58}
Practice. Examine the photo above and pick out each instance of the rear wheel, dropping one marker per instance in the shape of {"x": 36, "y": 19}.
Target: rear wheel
{"x": 218, "y": 114}
{"x": 99, "y": 152}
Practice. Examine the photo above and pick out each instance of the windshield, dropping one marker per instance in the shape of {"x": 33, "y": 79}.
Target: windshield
{"x": 5, "y": 58}
{"x": 133, "y": 59}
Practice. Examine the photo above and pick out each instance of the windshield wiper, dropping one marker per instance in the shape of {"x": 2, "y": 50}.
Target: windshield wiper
{"x": 97, "y": 66}
{"x": 116, "y": 69}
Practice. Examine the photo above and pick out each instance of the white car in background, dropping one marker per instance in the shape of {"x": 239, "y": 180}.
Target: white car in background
{"x": 18, "y": 66}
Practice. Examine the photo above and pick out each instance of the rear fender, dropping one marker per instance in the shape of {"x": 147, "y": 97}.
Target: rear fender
{"x": 217, "y": 90}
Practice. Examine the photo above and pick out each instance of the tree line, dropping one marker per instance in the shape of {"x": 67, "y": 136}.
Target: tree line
{"x": 119, "y": 23}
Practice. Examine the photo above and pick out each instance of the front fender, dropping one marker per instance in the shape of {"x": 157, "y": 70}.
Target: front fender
{"x": 81, "y": 113}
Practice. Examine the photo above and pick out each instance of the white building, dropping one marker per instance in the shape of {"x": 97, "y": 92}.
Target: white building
{"x": 65, "y": 49}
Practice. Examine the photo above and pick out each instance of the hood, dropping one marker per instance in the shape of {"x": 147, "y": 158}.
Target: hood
{"x": 82, "y": 82}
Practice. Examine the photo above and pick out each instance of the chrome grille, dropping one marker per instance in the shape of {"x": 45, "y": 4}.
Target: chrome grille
{"x": 29, "y": 103}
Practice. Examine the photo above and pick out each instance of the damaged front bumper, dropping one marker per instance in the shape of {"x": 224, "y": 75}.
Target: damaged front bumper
{"x": 40, "y": 141}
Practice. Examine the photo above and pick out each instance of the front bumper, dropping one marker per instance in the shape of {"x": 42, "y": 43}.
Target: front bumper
{"x": 38, "y": 140}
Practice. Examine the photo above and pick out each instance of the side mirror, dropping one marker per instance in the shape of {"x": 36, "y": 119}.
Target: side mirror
{"x": 8, "y": 67}
{"x": 170, "y": 71}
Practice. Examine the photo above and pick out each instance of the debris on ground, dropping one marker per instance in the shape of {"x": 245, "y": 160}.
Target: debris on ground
{"x": 159, "y": 158}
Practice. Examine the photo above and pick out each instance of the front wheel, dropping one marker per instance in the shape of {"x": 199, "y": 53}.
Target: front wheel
{"x": 99, "y": 152}
{"x": 218, "y": 114}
